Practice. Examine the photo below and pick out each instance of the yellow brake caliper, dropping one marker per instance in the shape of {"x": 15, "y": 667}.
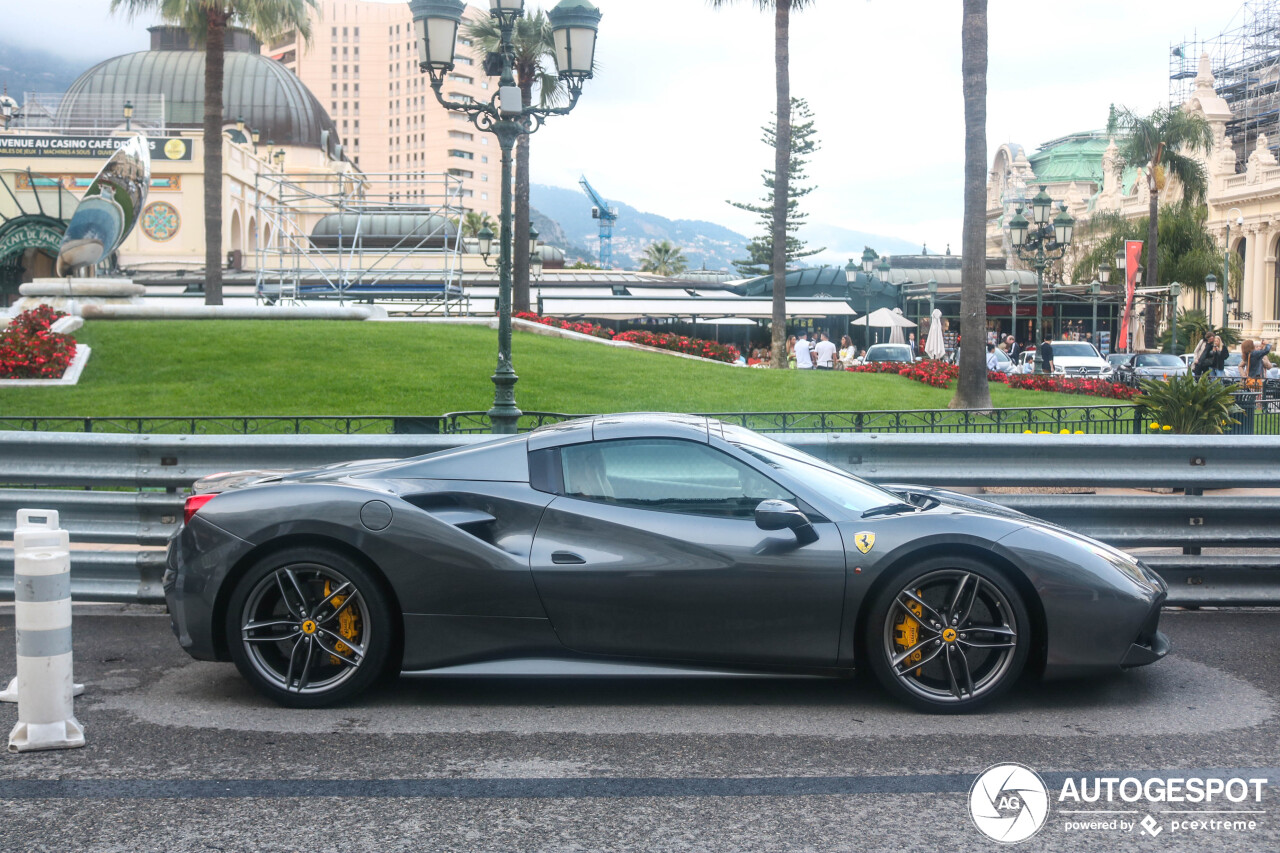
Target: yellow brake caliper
{"x": 906, "y": 632}
{"x": 348, "y": 623}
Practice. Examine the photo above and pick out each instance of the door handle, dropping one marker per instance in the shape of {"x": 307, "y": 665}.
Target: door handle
{"x": 565, "y": 558}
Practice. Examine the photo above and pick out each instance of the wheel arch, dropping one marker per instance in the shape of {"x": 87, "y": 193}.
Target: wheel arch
{"x": 1035, "y": 608}
{"x": 304, "y": 540}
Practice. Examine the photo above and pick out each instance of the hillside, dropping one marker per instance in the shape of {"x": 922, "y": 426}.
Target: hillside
{"x": 25, "y": 69}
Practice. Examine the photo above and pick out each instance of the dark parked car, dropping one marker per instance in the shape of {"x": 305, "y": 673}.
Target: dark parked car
{"x": 1149, "y": 365}
{"x": 887, "y": 352}
{"x": 666, "y": 541}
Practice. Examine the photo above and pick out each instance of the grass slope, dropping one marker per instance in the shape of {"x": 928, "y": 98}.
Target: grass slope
{"x": 156, "y": 368}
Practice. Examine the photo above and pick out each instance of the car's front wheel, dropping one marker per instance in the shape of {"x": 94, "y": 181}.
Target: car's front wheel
{"x": 948, "y": 635}
{"x": 309, "y": 627}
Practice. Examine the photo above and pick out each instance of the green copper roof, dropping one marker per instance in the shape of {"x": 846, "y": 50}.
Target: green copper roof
{"x": 1073, "y": 158}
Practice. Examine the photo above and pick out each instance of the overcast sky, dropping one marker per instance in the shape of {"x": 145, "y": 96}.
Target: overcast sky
{"x": 671, "y": 124}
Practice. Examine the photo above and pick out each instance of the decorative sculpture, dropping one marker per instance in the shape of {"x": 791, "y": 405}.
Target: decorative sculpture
{"x": 108, "y": 211}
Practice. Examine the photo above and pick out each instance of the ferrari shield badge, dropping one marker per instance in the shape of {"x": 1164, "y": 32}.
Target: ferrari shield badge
{"x": 864, "y": 541}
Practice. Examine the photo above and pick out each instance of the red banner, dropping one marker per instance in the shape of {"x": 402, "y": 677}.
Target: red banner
{"x": 1132, "y": 258}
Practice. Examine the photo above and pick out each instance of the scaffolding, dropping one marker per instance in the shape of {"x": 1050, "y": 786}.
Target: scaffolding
{"x": 1245, "y": 59}
{"x": 361, "y": 238}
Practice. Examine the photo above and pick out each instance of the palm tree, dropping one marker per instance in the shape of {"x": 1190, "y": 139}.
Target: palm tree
{"x": 474, "y": 222}
{"x": 972, "y": 390}
{"x": 663, "y": 258}
{"x": 534, "y": 67}
{"x": 207, "y": 22}
{"x": 782, "y": 162}
{"x": 1163, "y": 143}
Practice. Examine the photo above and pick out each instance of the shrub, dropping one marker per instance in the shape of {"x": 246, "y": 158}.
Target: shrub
{"x": 939, "y": 374}
{"x": 680, "y": 343}
{"x": 28, "y": 350}
{"x": 1068, "y": 385}
{"x": 582, "y": 328}
{"x": 1188, "y": 406}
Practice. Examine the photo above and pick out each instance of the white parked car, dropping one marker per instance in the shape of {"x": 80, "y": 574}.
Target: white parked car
{"x": 1077, "y": 358}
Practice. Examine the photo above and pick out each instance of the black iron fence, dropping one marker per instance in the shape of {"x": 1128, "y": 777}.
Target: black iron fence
{"x": 1259, "y": 415}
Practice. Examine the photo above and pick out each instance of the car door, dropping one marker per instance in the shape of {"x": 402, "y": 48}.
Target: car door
{"x": 651, "y": 550}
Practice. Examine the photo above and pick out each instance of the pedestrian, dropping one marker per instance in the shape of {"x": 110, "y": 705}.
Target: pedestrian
{"x": 824, "y": 353}
{"x": 804, "y": 354}
{"x": 791, "y": 351}
{"x": 1252, "y": 357}
{"x": 1206, "y": 353}
{"x": 1046, "y": 353}
{"x": 1218, "y": 366}
{"x": 848, "y": 352}
{"x": 993, "y": 361}
{"x": 911, "y": 342}
{"x": 1013, "y": 345}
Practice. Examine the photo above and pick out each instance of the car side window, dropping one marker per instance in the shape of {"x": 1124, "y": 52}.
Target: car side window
{"x": 666, "y": 475}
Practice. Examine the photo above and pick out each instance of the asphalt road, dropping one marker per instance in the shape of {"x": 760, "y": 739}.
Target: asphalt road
{"x": 183, "y": 756}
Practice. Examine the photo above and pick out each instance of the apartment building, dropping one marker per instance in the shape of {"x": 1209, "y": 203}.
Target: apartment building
{"x": 362, "y": 64}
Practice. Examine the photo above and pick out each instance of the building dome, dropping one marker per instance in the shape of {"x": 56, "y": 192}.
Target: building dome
{"x": 384, "y": 230}
{"x": 256, "y": 88}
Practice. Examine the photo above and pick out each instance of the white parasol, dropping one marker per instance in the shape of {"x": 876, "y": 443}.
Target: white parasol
{"x": 934, "y": 346}
{"x": 895, "y": 337}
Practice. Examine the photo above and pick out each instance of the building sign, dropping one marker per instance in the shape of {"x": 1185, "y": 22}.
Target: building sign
{"x": 31, "y": 235}
{"x": 90, "y": 147}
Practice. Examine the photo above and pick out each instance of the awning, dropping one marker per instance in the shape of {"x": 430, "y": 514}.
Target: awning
{"x": 629, "y": 308}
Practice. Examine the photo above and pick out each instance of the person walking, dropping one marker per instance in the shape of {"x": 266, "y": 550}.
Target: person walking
{"x": 1013, "y": 345}
{"x": 804, "y": 354}
{"x": 848, "y": 352}
{"x": 791, "y": 351}
{"x": 1207, "y": 354}
{"x": 993, "y": 360}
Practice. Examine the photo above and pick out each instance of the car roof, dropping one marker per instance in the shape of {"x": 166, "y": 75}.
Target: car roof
{"x": 622, "y": 425}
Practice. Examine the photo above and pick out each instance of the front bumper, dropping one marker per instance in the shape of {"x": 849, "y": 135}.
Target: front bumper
{"x": 1150, "y": 645}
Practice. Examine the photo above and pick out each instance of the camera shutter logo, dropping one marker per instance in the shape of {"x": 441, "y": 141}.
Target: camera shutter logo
{"x": 1009, "y": 803}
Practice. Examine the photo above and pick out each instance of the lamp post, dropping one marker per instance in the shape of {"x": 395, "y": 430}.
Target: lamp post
{"x": 851, "y": 276}
{"x": 1211, "y": 285}
{"x": 535, "y": 254}
{"x": 1174, "y": 289}
{"x": 882, "y": 273}
{"x": 1015, "y": 287}
{"x": 932, "y": 285}
{"x": 128, "y": 116}
{"x": 1039, "y": 242}
{"x": 1095, "y": 289}
{"x": 574, "y": 25}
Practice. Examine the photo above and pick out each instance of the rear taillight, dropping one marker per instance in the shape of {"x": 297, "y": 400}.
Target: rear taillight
{"x": 193, "y": 504}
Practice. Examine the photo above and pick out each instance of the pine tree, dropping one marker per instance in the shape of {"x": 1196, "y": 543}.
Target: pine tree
{"x": 803, "y": 146}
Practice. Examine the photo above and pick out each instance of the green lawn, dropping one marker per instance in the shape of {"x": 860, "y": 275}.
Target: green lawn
{"x": 157, "y": 368}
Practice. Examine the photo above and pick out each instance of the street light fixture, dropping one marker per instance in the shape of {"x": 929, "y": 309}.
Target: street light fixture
{"x": 1211, "y": 285}
{"x": 485, "y": 238}
{"x": 1040, "y": 243}
{"x": 932, "y": 285}
{"x": 1174, "y": 290}
{"x": 574, "y": 25}
{"x": 1015, "y": 288}
{"x": 1095, "y": 288}
{"x": 128, "y": 116}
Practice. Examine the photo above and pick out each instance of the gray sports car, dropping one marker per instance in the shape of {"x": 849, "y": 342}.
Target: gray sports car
{"x": 643, "y": 540}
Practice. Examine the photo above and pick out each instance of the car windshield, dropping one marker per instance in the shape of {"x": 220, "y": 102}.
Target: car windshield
{"x": 1074, "y": 349}
{"x": 1233, "y": 359}
{"x": 1159, "y": 360}
{"x": 852, "y": 493}
{"x": 880, "y": 352}
{"x": 1117, "y": 358}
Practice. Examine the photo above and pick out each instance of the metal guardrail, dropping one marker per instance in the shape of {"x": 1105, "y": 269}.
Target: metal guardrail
{"x": 99, "y": 484}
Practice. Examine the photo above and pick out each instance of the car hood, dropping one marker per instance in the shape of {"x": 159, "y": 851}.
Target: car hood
{"x": 1079, "y": 361}
{"x": 228, "y": 480}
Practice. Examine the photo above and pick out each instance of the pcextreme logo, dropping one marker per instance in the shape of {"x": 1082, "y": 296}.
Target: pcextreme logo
{"x": 1009, "y": 803}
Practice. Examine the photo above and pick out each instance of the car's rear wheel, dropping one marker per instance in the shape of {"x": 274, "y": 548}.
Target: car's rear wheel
{"x": 948, "y": 635}
{"x": 309, "y": 627}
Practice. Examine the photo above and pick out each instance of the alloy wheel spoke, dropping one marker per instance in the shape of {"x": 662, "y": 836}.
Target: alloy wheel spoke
{"x": 954, "y": 608}
{"x": 269, "y": 623}
{"x": 903, "y": 673}
{"x": 280, "y": 638}
{"x": 963, "y": 617}
{"x": 302, "y": 596}
{"x": 315, "y": 611}
{"x": 998, "y": 630}
{"x": 926, "y": 610}
{"x": 293, "y": 658}
{"x": 294, "y": 610}
{"x": 339, "y": 655}
{"x": 357, "y": 650}
{"x": 337, "y": 611}
{"x": 951, "y": 675}
{"x": 972, "y": 645}
{"x": 964, "y": 667}
{"x": 306, "y": 667}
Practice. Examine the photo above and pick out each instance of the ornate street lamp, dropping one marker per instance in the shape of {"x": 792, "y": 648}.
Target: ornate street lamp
{"x": 1174, "y": 289}
{"x": 1211, "y": 285}
{"x": 574, "y": 25}
{"x": 932, "y": 284}
{"x": 485, "y": 238}
{"x": 1040, "y": 242}
{"x": 128, "y": 116}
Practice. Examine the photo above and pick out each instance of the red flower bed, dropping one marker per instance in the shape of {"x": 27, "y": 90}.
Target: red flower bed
{"x": 582, "y": 328}
{"x": 939, "y": 374}
{"x": 1066, "y": 385}
{"x": 28, "y": 350}
{"x": 680, "y": 343}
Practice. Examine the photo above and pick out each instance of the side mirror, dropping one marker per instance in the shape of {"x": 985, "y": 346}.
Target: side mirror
{"x": 780, "y": 515}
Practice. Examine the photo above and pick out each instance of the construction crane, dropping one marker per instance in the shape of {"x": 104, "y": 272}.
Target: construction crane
{"x": 607, "y": 216}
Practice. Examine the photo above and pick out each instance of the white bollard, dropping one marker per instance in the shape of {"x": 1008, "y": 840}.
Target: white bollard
{"x": 42, "y": 626}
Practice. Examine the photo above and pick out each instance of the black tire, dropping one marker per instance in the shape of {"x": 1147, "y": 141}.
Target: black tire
{"x": 298, "y": 639}
{"x": 977, "y": 652}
